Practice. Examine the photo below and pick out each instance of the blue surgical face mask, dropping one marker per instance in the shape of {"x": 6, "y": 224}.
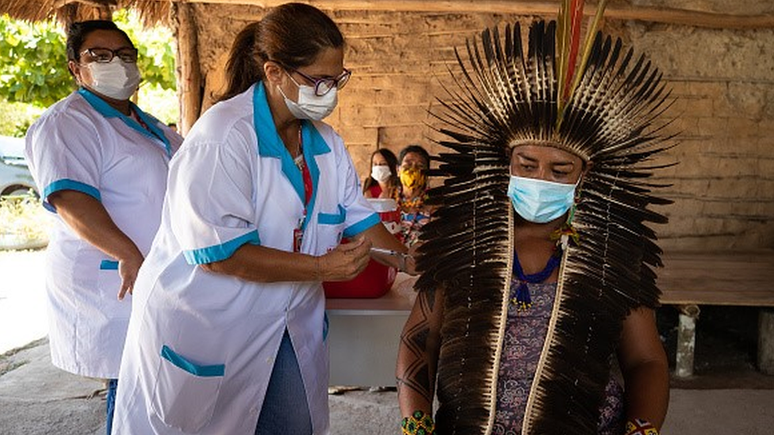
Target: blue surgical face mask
{"x": 540, "y": 201}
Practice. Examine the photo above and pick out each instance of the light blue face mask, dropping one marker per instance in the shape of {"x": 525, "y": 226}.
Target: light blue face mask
{"x": 540, "y": 201}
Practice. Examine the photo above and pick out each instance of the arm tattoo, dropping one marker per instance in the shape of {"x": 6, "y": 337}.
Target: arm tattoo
{"x": 417, "y": 375}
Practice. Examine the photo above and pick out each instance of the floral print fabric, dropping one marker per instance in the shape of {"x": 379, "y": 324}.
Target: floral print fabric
{"x": 524, "y": 337}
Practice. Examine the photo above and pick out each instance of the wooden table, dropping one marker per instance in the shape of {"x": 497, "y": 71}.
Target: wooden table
{"x": 363, "y": 335}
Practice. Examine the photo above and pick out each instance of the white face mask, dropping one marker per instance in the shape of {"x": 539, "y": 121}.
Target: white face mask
{"x": 115, "y": 79}
{"x": 309, "y": 105}
{"x": 381, "y": 173}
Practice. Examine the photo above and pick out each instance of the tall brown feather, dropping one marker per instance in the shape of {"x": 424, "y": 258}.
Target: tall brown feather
{"x": 507, "y": 98}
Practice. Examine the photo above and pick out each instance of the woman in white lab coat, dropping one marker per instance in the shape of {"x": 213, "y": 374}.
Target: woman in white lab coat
{"x": 101, "y": 164}
{"x": 228, "y": 331}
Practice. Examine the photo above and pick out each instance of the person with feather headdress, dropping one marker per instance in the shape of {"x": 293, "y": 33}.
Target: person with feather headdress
{"x": 535, "y": 312}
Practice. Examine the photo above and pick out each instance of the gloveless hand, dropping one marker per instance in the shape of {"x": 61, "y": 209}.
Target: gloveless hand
{"x": 346, "y": 261}
{"x": 127, "y": 270}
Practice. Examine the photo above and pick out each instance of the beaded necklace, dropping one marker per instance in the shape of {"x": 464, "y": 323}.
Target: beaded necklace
{"x": 523, "y": 299}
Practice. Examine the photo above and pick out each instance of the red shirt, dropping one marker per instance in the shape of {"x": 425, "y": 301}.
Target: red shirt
{"x": 375, "y": 190}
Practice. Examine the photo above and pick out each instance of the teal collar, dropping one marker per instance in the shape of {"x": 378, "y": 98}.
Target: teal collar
{"x": 109, "y": 111}
{"x": 270, "y": 145}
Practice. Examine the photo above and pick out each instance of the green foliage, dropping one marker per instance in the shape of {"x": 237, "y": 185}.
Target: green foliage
{"x": 33, "y": 62}
{"x": 33, "y": 69}
{"x": 33, "y": 59}
{"x": 16, "y": 118}
{"x": 159, "y": 102}
{"x": 156, "y": 47}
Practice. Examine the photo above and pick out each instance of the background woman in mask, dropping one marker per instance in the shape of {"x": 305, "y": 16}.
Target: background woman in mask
{"x": 228, "y": 333}
{"x": 101, "y": 165}
{"x": 383, "y": 180}
{"x": 414, "y": 161}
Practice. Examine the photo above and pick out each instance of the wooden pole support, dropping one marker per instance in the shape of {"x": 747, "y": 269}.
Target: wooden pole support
{"x": 190, "y": 75}
{"x": 686, "y": 340}
{"x": 766, "y": 341}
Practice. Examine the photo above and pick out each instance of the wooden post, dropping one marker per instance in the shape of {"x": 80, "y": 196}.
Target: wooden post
{"x": 766, "y": 341}
{"x": 686, "y": 340}
{"x": 189, "y": 73}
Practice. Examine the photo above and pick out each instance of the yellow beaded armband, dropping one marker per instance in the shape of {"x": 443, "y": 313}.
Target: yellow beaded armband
{"x": 418, "y": 424}
{"x": 640, "y": 427}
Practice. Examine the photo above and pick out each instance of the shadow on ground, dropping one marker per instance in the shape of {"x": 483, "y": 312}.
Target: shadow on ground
{"x": 726, "y": 348}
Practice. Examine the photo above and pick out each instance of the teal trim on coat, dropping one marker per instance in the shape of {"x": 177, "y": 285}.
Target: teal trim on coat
{"x": 326, "y": 325}
{"x": 109, "y": 111}
{"x": 270, "y": 145}
{"x": 331, "y": 218}
{"x": 220, "y": 252}
{"x": 194, "y": 369}
{"x": 108, "y": 265}
{"x": 361, "y": 226}
{"x": 68, "y": 184}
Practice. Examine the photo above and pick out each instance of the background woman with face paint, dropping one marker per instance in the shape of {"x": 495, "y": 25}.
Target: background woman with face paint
{"x": 413, "y": 163}
{"x": 101, "y": 164}
{"x": 230, "y": 334}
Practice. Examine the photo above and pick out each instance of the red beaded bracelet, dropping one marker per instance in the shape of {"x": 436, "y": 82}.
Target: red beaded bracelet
{"x": 640, "y": 427}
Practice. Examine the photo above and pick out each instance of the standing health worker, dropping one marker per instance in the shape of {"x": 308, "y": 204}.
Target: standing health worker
{"x": 228, "y": 331}
{"x": 101, "y": 164}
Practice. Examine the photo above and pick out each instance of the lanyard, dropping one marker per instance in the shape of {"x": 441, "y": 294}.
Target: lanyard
{"x": 305, "y": 174}
{"x": 298, "y": 233}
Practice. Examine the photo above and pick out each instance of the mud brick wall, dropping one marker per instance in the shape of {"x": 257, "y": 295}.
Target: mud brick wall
{"x": 722, "y": 79}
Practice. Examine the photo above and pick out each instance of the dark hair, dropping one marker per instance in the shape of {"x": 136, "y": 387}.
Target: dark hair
{"x": 416, "y": 149}
{"x": 392, "y": 162}
{"x": 77, "y": 33}
{"x": 292, "y": 34}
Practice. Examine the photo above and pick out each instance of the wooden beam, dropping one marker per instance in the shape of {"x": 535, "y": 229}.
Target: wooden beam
{"x": 190, "y": 75}
{"x": 92, "y": 3}
{"x": 624, "y": 13}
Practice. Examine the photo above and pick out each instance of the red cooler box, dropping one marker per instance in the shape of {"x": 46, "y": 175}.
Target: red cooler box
{"x": 376, "y": 279}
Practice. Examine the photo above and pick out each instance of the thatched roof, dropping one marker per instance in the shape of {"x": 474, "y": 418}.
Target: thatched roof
{"x": 156, "y": 11}
{"x": 68, "y": 11}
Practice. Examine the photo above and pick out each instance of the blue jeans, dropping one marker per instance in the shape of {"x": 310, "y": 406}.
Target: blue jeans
{"x": 112, "y": 385}
{"x": 285, "y": 409}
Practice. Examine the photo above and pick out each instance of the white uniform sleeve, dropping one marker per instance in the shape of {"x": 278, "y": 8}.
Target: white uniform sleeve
{"x": 360, "y": 216}
{"x": 65, "y": 154}
{"x": 210, "y": 193}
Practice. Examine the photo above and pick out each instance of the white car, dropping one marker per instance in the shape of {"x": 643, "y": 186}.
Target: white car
{"x": 15, "y": 176}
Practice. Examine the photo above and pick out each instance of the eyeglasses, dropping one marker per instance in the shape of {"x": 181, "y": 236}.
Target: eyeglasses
{"x": 323, "y": 85}
{"x": 105, "y": 55}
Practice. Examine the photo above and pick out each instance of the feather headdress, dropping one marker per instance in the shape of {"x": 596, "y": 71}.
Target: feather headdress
{"x": 604, "y": 109}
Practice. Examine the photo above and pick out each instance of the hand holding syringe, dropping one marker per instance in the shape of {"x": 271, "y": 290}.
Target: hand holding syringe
{"x": 405, "y": 261}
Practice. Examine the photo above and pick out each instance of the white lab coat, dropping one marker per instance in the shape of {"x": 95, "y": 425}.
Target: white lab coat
{"x": 201, "y": 346}
{"x": 81, "y": 143}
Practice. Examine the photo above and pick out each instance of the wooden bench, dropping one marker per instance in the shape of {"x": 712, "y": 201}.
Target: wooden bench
{"x": 364, "y": 333}
{"x": 690, "y": 279}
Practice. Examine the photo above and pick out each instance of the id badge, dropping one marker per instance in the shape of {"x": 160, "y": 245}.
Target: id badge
{"x": 298, "y": 236}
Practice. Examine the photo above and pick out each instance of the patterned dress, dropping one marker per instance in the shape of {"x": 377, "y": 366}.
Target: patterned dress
{"x": 524, "y": 337}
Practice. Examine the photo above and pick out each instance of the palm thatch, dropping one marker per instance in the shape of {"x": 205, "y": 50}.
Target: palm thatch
{"x": 68, "y": 11}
